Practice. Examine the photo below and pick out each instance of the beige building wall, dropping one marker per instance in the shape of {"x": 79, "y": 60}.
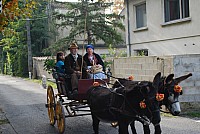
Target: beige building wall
{"x": 160, "y": 38}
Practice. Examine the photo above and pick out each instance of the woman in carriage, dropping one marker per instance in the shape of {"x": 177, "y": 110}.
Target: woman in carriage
{"x": 94, "y": 63}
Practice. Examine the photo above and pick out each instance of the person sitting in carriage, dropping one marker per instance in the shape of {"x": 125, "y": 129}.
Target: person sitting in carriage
{"x": 75, "y": 67}
{"x": 94, "y": 63}
{"x": 60, "y": 57}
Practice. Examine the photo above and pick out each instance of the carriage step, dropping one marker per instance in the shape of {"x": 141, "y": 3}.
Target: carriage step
{"x": 76, "y": 108}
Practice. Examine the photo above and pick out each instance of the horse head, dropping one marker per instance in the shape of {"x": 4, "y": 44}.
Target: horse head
{"x": 172, "y": 91}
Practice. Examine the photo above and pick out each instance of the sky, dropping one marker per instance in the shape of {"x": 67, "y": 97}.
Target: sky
{"x": 67, "y": 0}
{"x": 71, "y": 0}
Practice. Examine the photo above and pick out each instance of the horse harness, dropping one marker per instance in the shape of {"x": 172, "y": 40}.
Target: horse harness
{"x": 122, "y": 109}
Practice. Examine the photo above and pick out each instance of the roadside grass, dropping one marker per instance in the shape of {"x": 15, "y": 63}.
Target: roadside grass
{"x": 191, "y": 114}
{"x": 4, "y": 121}
{"x": 39, "y": 81}
{"x": 2, "y": 118}
{"x": 167, "y": 114}
{"x": 190, "y": 109}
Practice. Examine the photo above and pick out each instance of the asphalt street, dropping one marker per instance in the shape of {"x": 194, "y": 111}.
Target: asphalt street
{"x": 23, "y": 104}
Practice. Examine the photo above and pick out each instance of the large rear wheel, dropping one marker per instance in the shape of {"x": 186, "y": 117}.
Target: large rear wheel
{"x": 51, "y": 105}
{"x": 60, "y": 116}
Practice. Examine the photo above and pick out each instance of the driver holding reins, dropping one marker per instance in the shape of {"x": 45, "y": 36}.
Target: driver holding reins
{"x": 73, "y": 63}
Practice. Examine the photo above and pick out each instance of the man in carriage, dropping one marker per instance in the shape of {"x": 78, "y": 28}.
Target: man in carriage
{"x": 75, "y": 66}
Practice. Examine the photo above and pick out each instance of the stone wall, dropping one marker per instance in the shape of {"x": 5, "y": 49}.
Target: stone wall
{"x": 145, "y": 68}
{"x": 142, "y": 67}
{"x": 38, "y": 68}
{"x": 184, "y": 64}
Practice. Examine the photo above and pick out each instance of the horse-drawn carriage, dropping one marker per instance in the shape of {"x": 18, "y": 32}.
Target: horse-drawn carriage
{"x": 127, "y": 101}
{"x": 65, "y": 99}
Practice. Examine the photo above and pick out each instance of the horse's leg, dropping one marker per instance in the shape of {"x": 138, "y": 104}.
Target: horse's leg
{"x": 157, "y": 129}
{"x": 95, "y": 124}
{"x": 123, "y": 127}
{"x": 156, "y": 122}
{"x": 146, "y": 129}
{"x": 133, "y": 127}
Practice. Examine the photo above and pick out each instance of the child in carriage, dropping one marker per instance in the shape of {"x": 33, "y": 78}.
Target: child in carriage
{"x": 60, "y": 62}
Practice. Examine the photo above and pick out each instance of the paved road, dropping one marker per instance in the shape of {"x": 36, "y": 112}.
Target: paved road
{"x": 24, "y": 105}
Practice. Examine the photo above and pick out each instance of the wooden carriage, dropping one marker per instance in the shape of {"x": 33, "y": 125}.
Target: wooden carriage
{"x": 61, "y": 104}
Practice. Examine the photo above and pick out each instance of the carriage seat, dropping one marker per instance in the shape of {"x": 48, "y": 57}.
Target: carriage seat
{"x": 63, "y": 82}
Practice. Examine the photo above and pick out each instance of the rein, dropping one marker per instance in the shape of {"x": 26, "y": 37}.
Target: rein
{"x": 112, "y": 76}
{"x": 164, "y": 111}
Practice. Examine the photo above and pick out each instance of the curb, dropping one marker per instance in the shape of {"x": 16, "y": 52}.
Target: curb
{"x": 5, "y": 126}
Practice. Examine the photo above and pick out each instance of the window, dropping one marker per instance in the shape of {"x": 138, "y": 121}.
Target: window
{"x": 141, "y": 52}
{"x": 176, "y": 9}
{"x": 141, "y": 18}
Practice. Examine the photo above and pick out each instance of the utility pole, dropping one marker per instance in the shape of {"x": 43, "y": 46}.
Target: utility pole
{"x": 1, "y": 6}
{"x": 29, "y": 45}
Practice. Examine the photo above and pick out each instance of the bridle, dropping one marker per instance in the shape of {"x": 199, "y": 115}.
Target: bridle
{"x": 166, "y": 89}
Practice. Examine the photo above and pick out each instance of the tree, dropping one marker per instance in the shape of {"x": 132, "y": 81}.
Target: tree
{"x": 14, "y": 41}
{"x": 13, "y": 9}
{"x": 15, "y": 61}
{"x": 86, "y": 18}
{"x": 42, "y": 29}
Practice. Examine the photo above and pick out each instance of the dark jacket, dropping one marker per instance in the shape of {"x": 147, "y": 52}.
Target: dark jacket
{"x": 71, "y": 65}
{"x": 99, "y": 60}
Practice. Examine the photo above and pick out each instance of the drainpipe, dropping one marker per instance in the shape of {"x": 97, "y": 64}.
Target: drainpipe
{"x": 128, "y": 28}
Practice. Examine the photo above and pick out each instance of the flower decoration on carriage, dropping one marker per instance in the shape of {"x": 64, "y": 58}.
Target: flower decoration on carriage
{"x": 143, "y": 105}
{"x": 96, "y": 84}
{"x": 131, "y": 77}
{"x": 159, "y": 97}
{"x": 177, "y": 88}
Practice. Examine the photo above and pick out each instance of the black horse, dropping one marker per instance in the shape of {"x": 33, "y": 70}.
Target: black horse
{"x": 122, "y": 104}
{"x": 171, "y": 100}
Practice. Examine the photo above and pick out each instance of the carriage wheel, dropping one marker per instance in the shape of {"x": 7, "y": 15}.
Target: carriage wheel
{"x": 114, "y": 124}
{"x": 51, "y": 105}
{"x": 60, "y": 116}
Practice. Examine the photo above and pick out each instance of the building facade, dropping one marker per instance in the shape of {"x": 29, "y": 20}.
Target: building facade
{"x": 162, "y": 27}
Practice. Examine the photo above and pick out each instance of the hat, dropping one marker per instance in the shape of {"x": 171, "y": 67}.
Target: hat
{"x": 73, "y": 45}
{"x": 89, "y": 46}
